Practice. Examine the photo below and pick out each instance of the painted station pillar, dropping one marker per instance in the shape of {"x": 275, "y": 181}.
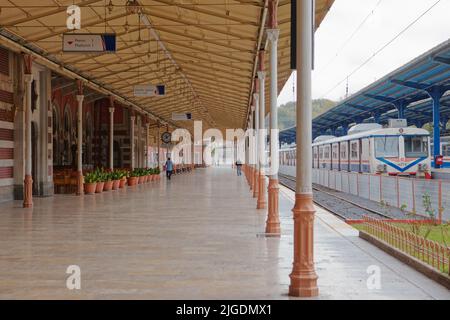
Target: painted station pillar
{"x": 111, "y": 133}
{"x": 256, "y": 171}
{"x": 251, "y": 148}
{"x": 147, "y": 132}
{"x": 401, "y": 106}
{"x": 80, "y": 98}
{"x": 159, "y": 144}
{"x": 28, "y": 181}
{"x": 273, "y": 215}
{"x": 261, "y": 204}
{"x": 132, "y": 156}
{"x": 303, "y": 277}
{"x": 436, "y": 94}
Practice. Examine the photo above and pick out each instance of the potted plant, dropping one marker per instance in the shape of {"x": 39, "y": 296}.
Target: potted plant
{"x": 139, "y": 175}
{"x": 123, "y": 178}
{"x": 152, "y": 174}
{"x": 108, "y": 181}
{"x": 157, "y": 173}
{"x": 133, "y": 178}
{"x": 90, "y": 183}
{"x": 116, "y": 176}
{"x": 100, "y": 181}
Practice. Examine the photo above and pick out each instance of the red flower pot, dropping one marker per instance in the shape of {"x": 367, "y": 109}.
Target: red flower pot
{"x": 132, "y": 181}
{"x": 116, "y": 184}
{"x": 89, "y": 188}
{"x": 99, "y": 187}
{"x": 122, "y": 183}
{"x": 108, "y": 186}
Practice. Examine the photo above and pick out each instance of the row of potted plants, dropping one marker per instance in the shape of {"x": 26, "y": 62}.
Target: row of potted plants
{"x": 143, "y": 175}
{"x": 101, "y": 180}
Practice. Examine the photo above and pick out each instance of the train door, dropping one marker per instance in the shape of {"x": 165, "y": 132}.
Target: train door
{"x": 354, "y": 156}
{"x": 315, "y": 155}
{"x": 360, "y": 150}
{"x": 331, "y": 158}
{"x": 335, "y": 156}
{"x": 339, "y": 156}
{"x": 349, "y": 153}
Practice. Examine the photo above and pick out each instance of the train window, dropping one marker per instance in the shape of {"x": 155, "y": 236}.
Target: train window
{"x": 354, "y": 147}
{"x": 327, "y": 152}
{"x": 343, "y": 152}
{"x": 445, "y": 150}
{"x": 335, "y": 152}
{"x": 416, "y": 147}
{"x": 321, "y": 153}
{"x": 386, "y": 147}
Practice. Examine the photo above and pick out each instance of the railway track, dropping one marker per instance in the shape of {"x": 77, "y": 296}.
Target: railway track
{"x": 343, "y": 208}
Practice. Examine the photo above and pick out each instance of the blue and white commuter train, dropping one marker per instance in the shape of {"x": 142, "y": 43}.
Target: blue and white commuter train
{"x": 369, "y": 148}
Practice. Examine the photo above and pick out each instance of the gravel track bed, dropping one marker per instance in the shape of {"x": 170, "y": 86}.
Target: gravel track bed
{"x": 329, "y": 199}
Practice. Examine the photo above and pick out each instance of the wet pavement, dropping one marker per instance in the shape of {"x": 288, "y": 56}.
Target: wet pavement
{"x": 194, "y": 237}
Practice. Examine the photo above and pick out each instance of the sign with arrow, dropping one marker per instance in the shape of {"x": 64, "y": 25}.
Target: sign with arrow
{"x": 89, "y": 42}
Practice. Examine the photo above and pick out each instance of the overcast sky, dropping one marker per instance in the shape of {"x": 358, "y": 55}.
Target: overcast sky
{"x": 334, "y": 61}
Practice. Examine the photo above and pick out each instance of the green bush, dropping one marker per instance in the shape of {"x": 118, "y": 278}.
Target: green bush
{"x": 91, "y": 177}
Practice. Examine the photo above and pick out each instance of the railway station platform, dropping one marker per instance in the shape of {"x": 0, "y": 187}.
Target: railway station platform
{"x": 197, "y": 236}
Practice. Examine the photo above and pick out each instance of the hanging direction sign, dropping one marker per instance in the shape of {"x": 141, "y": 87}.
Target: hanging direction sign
{"x": 149, "y": 90}
{"x": 181, "y": 116}
{"x": 89, "y": 42}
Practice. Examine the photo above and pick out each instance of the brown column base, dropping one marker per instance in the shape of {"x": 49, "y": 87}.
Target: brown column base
{"x": 255, "y": 183}
{"x": 262, "y": 204}
{"x": 273, "y": 216}
{"x": 28, "y": 192}
{"x": 303, "y": 276}
{"x": 80, "y": 183}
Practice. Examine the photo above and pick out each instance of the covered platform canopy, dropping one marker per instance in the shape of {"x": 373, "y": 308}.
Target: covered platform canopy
{"x": 206, "y": 53}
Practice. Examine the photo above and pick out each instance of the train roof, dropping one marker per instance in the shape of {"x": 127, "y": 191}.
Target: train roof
{"x": 378, "y": 132}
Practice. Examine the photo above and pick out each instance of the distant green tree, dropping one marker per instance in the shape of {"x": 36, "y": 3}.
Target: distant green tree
{"x": 286, "y": 112}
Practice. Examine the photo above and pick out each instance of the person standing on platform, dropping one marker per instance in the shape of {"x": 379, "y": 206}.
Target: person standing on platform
{"x": 239, "y": 167}
{"x": 169, "y": 168}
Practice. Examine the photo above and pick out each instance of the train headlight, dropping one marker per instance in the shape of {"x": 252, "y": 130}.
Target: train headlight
{"x": 382, "y": 168}
{"x": 423, "y": 167}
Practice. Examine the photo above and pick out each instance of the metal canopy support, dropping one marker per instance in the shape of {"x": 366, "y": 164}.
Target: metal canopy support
{"x": 436, "y": 94}
{"x": 400, "y": 104}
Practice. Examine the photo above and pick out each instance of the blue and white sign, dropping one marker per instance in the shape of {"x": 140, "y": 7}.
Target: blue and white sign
{"x": 149, "y": 90}
{"x": 86, "y": 42}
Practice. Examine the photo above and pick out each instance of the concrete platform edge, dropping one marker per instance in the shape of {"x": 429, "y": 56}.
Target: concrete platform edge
{"x": 414, "y": 263}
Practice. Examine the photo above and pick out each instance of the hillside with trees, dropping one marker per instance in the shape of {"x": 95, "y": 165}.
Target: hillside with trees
{"x": 286, "y": 112}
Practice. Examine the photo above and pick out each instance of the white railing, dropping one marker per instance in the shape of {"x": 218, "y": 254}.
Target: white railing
{"x": 412, "y": 195}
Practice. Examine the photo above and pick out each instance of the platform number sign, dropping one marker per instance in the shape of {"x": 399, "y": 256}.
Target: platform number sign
{"x": 166, "y": 137}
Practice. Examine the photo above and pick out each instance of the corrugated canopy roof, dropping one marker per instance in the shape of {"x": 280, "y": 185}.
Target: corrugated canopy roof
{"x": 213, "y": 42}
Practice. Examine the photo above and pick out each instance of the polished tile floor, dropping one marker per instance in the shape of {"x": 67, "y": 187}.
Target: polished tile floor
{"x": 194, "y": 237}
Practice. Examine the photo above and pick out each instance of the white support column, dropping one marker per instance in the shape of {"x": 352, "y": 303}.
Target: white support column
{"x": 147, "y": 132}
{"x": 256, "y": 171}
{"x": 273, "y": 35}
{"x": 28, "y": 182}
{"x": 132, "y": 120}
{"x": 262, "y": 135}
{"x": 261, "y": 120}
{"x": 111, "y": 138}
{"x": 273, "y": 219}
{"x": 303, "y": 276}
{"x": 80, "y": 99}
